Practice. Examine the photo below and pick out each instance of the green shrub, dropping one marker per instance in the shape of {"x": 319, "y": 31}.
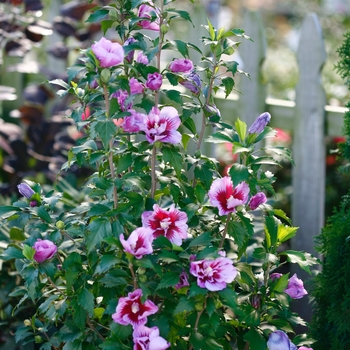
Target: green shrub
{"x": 331, "y": 288}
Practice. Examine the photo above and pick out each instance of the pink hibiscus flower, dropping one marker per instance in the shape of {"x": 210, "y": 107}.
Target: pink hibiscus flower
{"x": 226, "y": 197}
{"x": 213, "y": 274}
{"x": 109, "y": 54}
{"x": 145, "y": 338}
{"x": 171, "y": 223}
{"x": 147, "y": 11}
{"x": 162, "y": 125}
{"x": 139, "y": 242}
{"x": 130, "y": 310}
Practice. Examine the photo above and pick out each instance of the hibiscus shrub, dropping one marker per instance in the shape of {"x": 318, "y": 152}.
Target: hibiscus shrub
{"x": 163, "y": 252}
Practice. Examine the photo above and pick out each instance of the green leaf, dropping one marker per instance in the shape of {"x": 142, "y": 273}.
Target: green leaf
{"x": 43, "y": 214}
{"x": 303, "y": 259}
{"x": 281, "y": 214}
{"x": 124, "y": 162}
{"x": 231, "y": 66}
{"x": 281, "y": 283}
{"x": 238, "y": 231}
{"x": 228, "y": 83}
{"x": 86, "y": 300}
{"x": 74, "y": 70}
{"x": 17, "y": 234}
{"x": 105, "y": 129}
{"x": 174, "y": 95}
{"x": 12, "y": 253}
{"x": 202, "y": 240}
{"x": 211, "y": 30}
{"x": 185, "y": 304}
{"x": 168, "y": 280}
{"x": 204, "y": 174}
{"x": 28, "y": 252}
{"x": 107, "y": 262}
{"x": 106, "y": 24}
{"x": 222, "y": 137}
{"x": 183, "y": 14}
{"x": 285, "y": 232}
{"x": 271, "y": 226}
{"x": 256, "y": 339}
{"x": 99, "y": 228}
{"x": 173, "y": 157}
{"x": 239, "y": 173}
{"x": 241, "y": 128}
{"x": 97, "y": 16}
{"x": 60, "y": 82}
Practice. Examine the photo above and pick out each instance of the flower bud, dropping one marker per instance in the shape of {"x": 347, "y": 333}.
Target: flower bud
{"x": 164, "y": 28}
{"x": 105, "y": 75}
{"x": 33, "y": 203}
{"x": 141, "y": 271}
{"x": 260, "y": 123}
{"x": 27, "y": 323}
{"x": 257, "y": 200}
{"x": 60, "y": 225}
{"x": 25, "y": 190}
{"x": 143, "y": 278}
{"x": 44, "y": 250}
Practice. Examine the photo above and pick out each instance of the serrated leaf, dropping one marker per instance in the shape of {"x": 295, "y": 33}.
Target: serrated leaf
{"x": 204, "y": 174}
{"x": 202, "y": 240}
{"x": 256, "y": 339}
{"x": 105, "y": 129}
{"x": 184, "y": 305}
{"x": 271, "y": 226}
{"x": 174, "y": 95}
{"x": 73, "y": 71}
{"x": 12, "y": 253}
{"x": 60, "y": 82}
{"x": 238, "y": 231}
{"x": 303, "y": 259}
{"x": 107, "y": 262}
{"x": 231, "y": 66}
{"x": 238, "y": 173}
{"x": 99, "y": 228}
{"x": 43, "y": 214}
{"x": 229, "y": 84}
{"x": 97, "y": 16}
{"x": 17, "y": 234}
{"x": 173, "y": 157}
{"x": 124, "y": 162}
{"x": 168, "y": 280}
{"x": 28, "y": 252}
{"x": 86, "y": 301}
{"x": 241, "y": 128}
{"x": 286, "y": 232}
{"x": 282, "y": 283}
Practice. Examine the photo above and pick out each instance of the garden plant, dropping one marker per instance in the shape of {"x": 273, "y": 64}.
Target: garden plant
{"x": 162, "y": 252}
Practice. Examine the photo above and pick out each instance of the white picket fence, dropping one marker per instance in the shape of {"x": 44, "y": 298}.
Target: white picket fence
{"x": 309, "y": 119}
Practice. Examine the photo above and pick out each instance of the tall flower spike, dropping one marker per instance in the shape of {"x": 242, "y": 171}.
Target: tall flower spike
{"x": 226, "y": 197}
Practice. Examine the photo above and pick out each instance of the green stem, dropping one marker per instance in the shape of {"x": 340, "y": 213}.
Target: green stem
{"x": 110, "y": 154}
{"x": 92, "y": 327}
{"x": 131, "y": 268}
{"x": 153, "y": 171}
{"x": 225, "y": 231}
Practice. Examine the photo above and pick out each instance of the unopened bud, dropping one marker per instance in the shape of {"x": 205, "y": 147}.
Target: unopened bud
{"x": 164, "y": 28}
{"x": 143, "y": 278}
{"x": 141, "y": 271}
{"x": 105, "y": 75}
{"x": 60, "y": 225}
